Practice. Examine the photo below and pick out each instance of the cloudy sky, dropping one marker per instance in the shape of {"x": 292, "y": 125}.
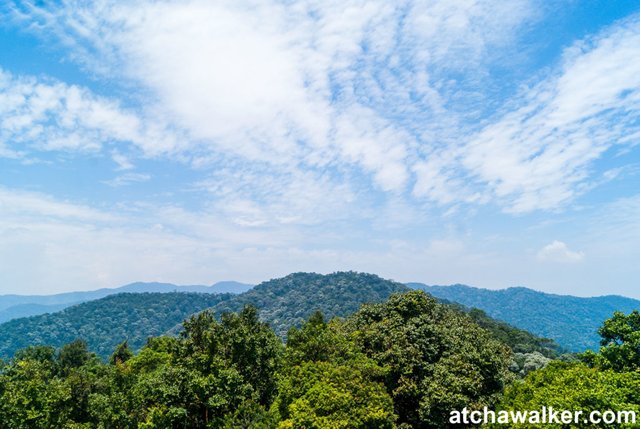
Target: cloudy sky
{"x": 490, "y": 143}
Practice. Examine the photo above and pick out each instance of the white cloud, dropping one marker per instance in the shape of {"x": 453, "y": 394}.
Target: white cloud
{"x": 39, "y": 115}
{"x": 292, "y": 89}
{"x": 47, "y": 246}
{"x": 305, "y": 83}
{"x": 320, "y": 134}
{"x": 264, "y": 196}
{"x": 557, "y": 251}
{"x": 16, "y": 206}
{"x": 539, "y": 155}
{"x": 123, "y": 162}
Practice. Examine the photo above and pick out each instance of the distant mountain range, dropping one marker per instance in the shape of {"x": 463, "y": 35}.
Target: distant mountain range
{"x": 283, "y": 302}
{"x": 16, "y": 306}
{"x": 571, "y": 321}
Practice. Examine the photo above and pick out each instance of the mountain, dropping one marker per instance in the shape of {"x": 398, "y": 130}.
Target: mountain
{"x": 571, "y": 321}
{"x": 15, "y": 306}
{"x": 283, "y": 302}
{"x": 26, "y": 310}
{"x": 230, "y": 287}
{"x": 106, "y": 322}
{"x": 287, "y": 301}
{"x": 220, "y": 287}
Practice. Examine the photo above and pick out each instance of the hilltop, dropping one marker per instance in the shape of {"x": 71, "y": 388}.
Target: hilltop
{"x": 287, "y": 301}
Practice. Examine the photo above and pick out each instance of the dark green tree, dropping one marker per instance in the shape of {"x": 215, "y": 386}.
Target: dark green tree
{"x": 436, "y": 358}
{"x": 122, "y": 353}
{"x": 73, "y": 355}
{"x": 620, "y": 342}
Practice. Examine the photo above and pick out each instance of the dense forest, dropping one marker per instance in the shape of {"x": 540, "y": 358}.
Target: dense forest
{"x": 570, "y": 320}
{"x": 283, "y": 303}
{"x": 288, "y": 301}
{"x": 106, "y": 322}
{"x": 403, "y": 362}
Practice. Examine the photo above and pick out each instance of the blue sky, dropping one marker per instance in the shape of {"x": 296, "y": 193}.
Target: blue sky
{"x": 489, "y": 143}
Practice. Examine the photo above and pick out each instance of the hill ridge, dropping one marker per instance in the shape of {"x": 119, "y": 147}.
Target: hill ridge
{"x": 106, "y": 322}
{"x": 571, "y": 320}
{"x": 14, "y": 306}
{"x": 284, "y": 302}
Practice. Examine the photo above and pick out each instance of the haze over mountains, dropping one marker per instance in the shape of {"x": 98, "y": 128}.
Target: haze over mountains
{"x": 15, "y": 306}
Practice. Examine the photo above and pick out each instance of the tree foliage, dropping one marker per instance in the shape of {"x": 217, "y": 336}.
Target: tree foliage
{"x": 574, "y": 386}
{"x": 403, "y": 363}
{"x": 389, "y": 365}
{"x": 604, "y": 380}
{"x": 437, "y": 358}
{"x": 621, "y": 342}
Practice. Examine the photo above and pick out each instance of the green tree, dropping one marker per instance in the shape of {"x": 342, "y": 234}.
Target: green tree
{"x": 326, "y": 395}
{"x": 573, "y": 386}
{"x": 327, "y": 382}
{"x": 122, "y": 354}
{"x": 524, "y": 363}
{"x": 436, "y": 358}
{"x": 210, "y": 376}
{"x": 73, "y": 355}
{"x": 620, "y": 342}
{"x": 240, "y": 342}
{"x": 317, "y": 340}
{"x": 30, "y": 394}
{"x": 112, "y": 404}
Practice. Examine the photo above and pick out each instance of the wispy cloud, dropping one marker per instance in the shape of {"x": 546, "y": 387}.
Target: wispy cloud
{"x": 316, "y": 134}
{"x": 127, "y": 179}
{"x": 45, "y": 115}
{"x": 286, "y": 90}
{"x": 17, "y": 206}
{"x": 356, "y": 84}
{"x": 539, "y": 154}
{"x": 52, "y": 245}
{"x": 122, "y": 161}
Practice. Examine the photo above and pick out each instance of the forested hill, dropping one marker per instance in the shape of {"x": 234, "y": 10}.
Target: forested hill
{"x": 287, "y": 301}
{"x": 572, "y": 321}
{"x": 106, "y": 322}
{"x": 404, "y": 363}
{"x": 284, "y": 303}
